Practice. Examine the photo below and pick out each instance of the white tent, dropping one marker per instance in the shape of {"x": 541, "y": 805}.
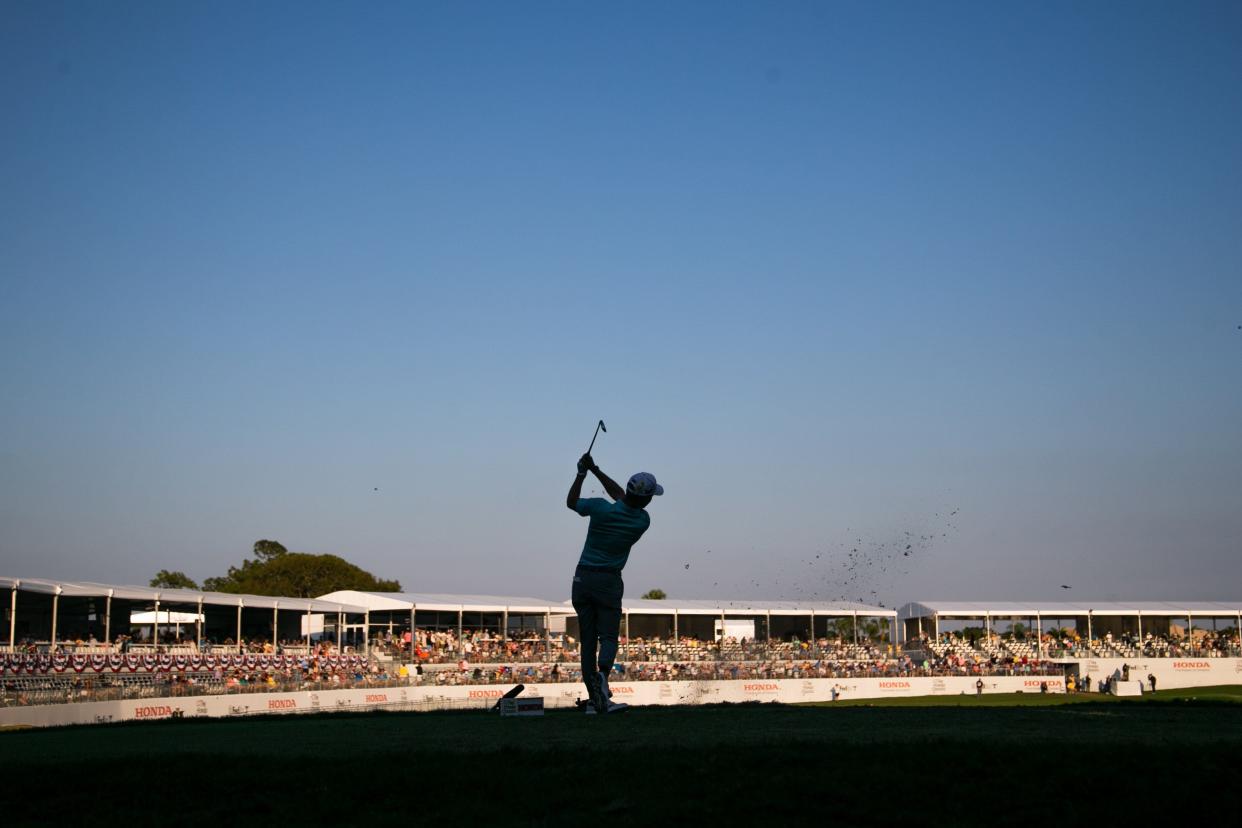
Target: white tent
{"x": 403, "y": 605}
{"x": 166, "y": 619}
{"x": 913, "y": 614}
{"x": 156, "y": 596}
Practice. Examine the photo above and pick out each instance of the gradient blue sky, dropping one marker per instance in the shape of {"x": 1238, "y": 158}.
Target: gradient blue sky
{"x": 831, "y": 271}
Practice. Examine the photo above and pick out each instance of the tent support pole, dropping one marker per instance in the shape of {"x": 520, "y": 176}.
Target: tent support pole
{"x": 155, "y": 626}
{"x": 504, "y": 626}
{"x": 1039, "y": 635}
{"x": 769, "y": 625}
{"x": 1140, "y": 628}
{"x": 108, "y": 619}
{"x": 13, "y": 617}
{"x": 275, "y": 623}
{"x": 366, "y": 634}
{"x": 239, "y": 641}
{"x": 198, "y": 626}
{"x": 55, "y": 609}
{"x": 627, "y": 638}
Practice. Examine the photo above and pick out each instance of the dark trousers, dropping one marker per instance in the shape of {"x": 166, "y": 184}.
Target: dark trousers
{"x": 597, "y": 600}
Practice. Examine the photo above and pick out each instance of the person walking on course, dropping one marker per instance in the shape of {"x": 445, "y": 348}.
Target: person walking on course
{"x": 597, "y": 587}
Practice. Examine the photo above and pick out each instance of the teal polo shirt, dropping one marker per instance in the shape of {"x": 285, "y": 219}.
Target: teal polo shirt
{"x": 614, "y": 528}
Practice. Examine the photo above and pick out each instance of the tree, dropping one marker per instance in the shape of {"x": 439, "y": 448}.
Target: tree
{"x": 655, "y": 595}
{"x": 277, "y": 571}
{"x": 842, "y": 627}
{"x": 173, "y": 580}
{"x": 266, "y": 550}
{"x": 973, "y": 634}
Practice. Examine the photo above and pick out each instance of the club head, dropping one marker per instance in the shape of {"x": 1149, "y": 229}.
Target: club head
{"x": 603, "y": 427}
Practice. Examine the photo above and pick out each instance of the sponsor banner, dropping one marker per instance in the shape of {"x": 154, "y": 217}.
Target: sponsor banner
{"x": 482, "y": 693}
{"x": 152, "y": 711}
{"x": 1034, "y": 683}
{"x": 556, "y": 695}
{"x": 1169, "y": 673}
{"x": 895, "y": 685}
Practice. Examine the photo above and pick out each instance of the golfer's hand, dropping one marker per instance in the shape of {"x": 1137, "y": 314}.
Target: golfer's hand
{"x": 585, "y": 463}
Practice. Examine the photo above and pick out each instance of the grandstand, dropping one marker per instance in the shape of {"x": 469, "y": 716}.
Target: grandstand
{"x": 518, "y": 628}
{"x": 1073, "y": 630}
{"x": 81, "y": 642}
{"x": 84, "y": 615}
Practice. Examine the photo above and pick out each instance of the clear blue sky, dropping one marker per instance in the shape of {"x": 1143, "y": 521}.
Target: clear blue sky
{"x": 831, "y": 271}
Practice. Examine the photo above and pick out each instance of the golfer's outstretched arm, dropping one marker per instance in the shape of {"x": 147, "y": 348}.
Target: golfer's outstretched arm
{"x": 575, "y": 491}
{"x": 610, "y": 485}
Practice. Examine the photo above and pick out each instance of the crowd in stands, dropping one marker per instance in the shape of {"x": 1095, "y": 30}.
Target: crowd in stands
{"x": 995, "y": 648}
{"x": 40, "y": 678}
{"x": 531, "y": 646}
{"x": 89, "y": 671}
{"x": 1130, "y": 645}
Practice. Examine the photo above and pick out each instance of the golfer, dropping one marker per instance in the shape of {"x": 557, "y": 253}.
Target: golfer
{"x": 615, "y": 527}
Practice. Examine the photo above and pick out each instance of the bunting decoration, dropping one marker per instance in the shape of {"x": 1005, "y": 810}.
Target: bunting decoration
{"x": 45, "y": 664}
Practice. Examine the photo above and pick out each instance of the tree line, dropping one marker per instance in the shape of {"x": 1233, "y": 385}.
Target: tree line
{"x": 274, "y": 570}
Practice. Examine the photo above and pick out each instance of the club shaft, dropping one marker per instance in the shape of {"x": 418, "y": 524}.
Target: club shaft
{"x": 593, "y": 440}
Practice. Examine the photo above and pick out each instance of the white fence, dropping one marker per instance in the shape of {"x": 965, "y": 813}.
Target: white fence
{"x": 1170, "y": 673}
{"x": 554, "y": 695}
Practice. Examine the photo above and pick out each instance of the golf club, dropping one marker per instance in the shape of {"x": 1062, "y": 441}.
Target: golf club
{"x": 597, "y": 430}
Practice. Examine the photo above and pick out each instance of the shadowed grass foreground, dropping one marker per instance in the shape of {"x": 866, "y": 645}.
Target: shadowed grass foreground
{"x": 953, "y": 761}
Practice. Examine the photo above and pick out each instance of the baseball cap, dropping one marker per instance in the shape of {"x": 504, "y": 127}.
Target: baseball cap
{"x": 644, "y": 484}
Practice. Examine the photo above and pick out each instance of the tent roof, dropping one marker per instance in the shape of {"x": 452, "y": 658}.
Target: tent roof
{"x": 405, "y": 601}
{"x": 148, "y": 617}
{"x": 1067, "y": 609}
{"x": 176, "y": 596}
{"x": 741, "y": 607}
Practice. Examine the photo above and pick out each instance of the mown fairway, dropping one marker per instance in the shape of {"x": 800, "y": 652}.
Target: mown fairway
{"x": 998, "y": 760}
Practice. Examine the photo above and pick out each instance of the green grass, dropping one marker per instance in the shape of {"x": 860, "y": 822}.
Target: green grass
{"x": 1225, "y": 693}
{"x": 944, "y": 761}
